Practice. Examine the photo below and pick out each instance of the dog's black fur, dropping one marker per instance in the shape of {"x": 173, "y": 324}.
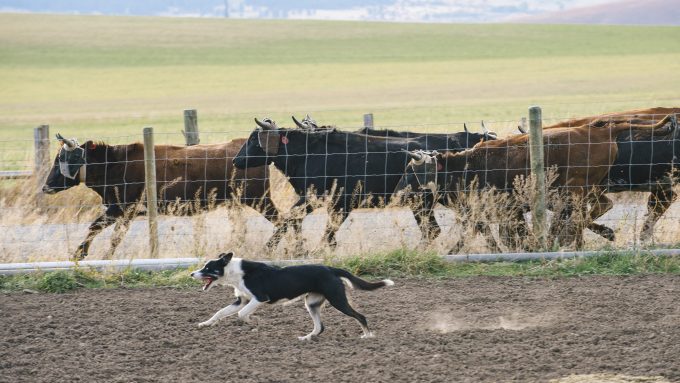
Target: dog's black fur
{"x": 255, "y": 283}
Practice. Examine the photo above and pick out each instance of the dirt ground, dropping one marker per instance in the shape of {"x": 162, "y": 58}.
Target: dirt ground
{"x": 480, "y": 329}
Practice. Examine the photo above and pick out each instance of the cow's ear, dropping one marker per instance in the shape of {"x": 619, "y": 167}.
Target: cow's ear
{"x": 90, "y": 145}
{"x": 226, "y": 257}
{"x": 269, "y": 141}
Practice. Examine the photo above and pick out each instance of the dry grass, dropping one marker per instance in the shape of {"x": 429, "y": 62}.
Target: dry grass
{"x": 49, "y": 227}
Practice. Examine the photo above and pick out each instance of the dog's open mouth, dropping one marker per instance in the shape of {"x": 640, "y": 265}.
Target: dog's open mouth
{"x": 207, "y": 281}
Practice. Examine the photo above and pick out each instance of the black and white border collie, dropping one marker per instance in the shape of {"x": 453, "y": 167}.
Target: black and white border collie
{"x": 256, "y": 283}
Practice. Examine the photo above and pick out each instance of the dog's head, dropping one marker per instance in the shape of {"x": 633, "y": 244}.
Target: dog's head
{"x": 212, "y": 270}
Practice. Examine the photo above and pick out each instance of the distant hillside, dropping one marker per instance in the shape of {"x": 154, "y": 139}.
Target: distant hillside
{"x": 631, "y": 12}
{"x": 383, "y": 10}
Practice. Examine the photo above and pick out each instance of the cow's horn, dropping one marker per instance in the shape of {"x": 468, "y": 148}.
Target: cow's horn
{"x": 310, "y": 122}
{"x": 298, "y": 123}
{"x": 69, "y": 143}
{"x": 465, "y": 128}
{"x": 521, "y": 129}
{"x": 264, "y": 125}
{"x": 418, "y": 156}
{"x": 484, "y": 129}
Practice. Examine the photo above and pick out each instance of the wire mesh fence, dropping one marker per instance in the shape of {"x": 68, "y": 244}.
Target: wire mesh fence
{"x": 312, "y": 188}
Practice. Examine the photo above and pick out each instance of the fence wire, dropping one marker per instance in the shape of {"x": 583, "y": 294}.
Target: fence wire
{"x": 288, "y": 192}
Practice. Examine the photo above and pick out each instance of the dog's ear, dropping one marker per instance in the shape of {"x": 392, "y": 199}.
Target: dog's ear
{"x": 226, "y": 257}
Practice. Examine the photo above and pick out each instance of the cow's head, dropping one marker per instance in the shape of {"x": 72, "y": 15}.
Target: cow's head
{"x": 468, "y": 139}
{"x": 486, "y": 135}
{"x": 421, "y": 173}
{"x": 262, "y": 146}
{"x": 67, "y": 169}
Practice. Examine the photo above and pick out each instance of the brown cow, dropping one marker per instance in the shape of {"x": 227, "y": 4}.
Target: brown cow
{"x": 647, "y": 161}
{"x": 199, "y": 173}
{"x": 582, "y": 156}
{"x": 650, "y": 114}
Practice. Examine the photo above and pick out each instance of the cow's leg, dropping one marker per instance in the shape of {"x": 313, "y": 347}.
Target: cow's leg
{"x": 330, "y": 230}
{"x": 461, "y": 241}
{"x": 280, "y": 230}
{"x": 514, "y": 232}
{"x": 600, "y": 204}
{"x": 102, "y": 222}
{"x": 659, "y": 201}
{"x": 577, "y": 218}
{"x": 264, "y": 205}
{"x": 269, "y": 210}
{"x": 485, "y": 229}
{"x": 119, "y": 230}
{"x": 580, "y": 222}
{"x": 560, "y": 227}
{"x": 294, "y": 222}
{"x": 424, "y": 215}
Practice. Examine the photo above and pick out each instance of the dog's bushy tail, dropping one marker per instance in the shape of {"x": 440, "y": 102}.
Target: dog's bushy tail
{"x": 360, "y": 283}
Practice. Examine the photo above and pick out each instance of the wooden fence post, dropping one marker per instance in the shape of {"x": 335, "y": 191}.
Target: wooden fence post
{"x": 41, "y": 143}
{"x": 190, "y": 131}
{"x": 368, "y": 120}
{"x": 538, "y": 171}
{"x": 150, "y": 181}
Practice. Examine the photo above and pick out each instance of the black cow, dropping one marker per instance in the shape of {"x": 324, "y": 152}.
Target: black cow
{"x": 431, "y": 141}
{"x": 646, "y": 162}
{"x": 199, "y": 173}
{"x": 360, "y": 169}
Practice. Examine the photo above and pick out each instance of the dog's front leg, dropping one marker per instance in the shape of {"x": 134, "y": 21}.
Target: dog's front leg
{"x": 245, "y": 312}
{"x": 225, "y": 312}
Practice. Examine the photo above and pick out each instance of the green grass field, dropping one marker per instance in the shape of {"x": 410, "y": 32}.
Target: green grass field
{"x": 107, "y": 77}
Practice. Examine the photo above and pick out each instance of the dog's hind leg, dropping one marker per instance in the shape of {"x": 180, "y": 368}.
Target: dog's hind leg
{"x": 225, "y": 312}
{"x": 313, "y": 302}
{"x": 338, "y": 299}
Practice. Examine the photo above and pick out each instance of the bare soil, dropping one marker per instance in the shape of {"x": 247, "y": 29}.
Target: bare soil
{"x": 479, "y": 329}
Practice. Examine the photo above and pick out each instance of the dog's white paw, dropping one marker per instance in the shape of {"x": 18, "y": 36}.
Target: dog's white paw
{"x": 204, "y": 324}
{"x": 306, "y": 337}
{"x": 251, "y": 320}
{"x": 368, "y": 335}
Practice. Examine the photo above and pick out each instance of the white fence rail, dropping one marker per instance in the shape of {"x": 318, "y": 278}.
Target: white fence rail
{"x": 119, "y": 264}
{"x": 175, "y": 263}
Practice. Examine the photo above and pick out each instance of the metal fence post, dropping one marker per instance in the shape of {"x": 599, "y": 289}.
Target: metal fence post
{"x": 190, "y": 131}
{"x": 150, "y": 181}
{"x": 368, "y": 120}
{"x": 538, "y": 171}
{"x": 41, "y": 142}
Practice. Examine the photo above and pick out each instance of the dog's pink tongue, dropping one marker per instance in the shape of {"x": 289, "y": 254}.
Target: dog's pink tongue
{"x": 207, "y": 283}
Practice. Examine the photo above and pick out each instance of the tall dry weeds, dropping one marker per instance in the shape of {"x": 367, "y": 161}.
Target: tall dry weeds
{"x": 482, "y": 221}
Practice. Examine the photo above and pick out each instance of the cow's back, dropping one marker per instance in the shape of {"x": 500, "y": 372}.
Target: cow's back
{"x": 187, "y": 173}
{"x": 579, "y": 161}
{"x": 649, "y": 114}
